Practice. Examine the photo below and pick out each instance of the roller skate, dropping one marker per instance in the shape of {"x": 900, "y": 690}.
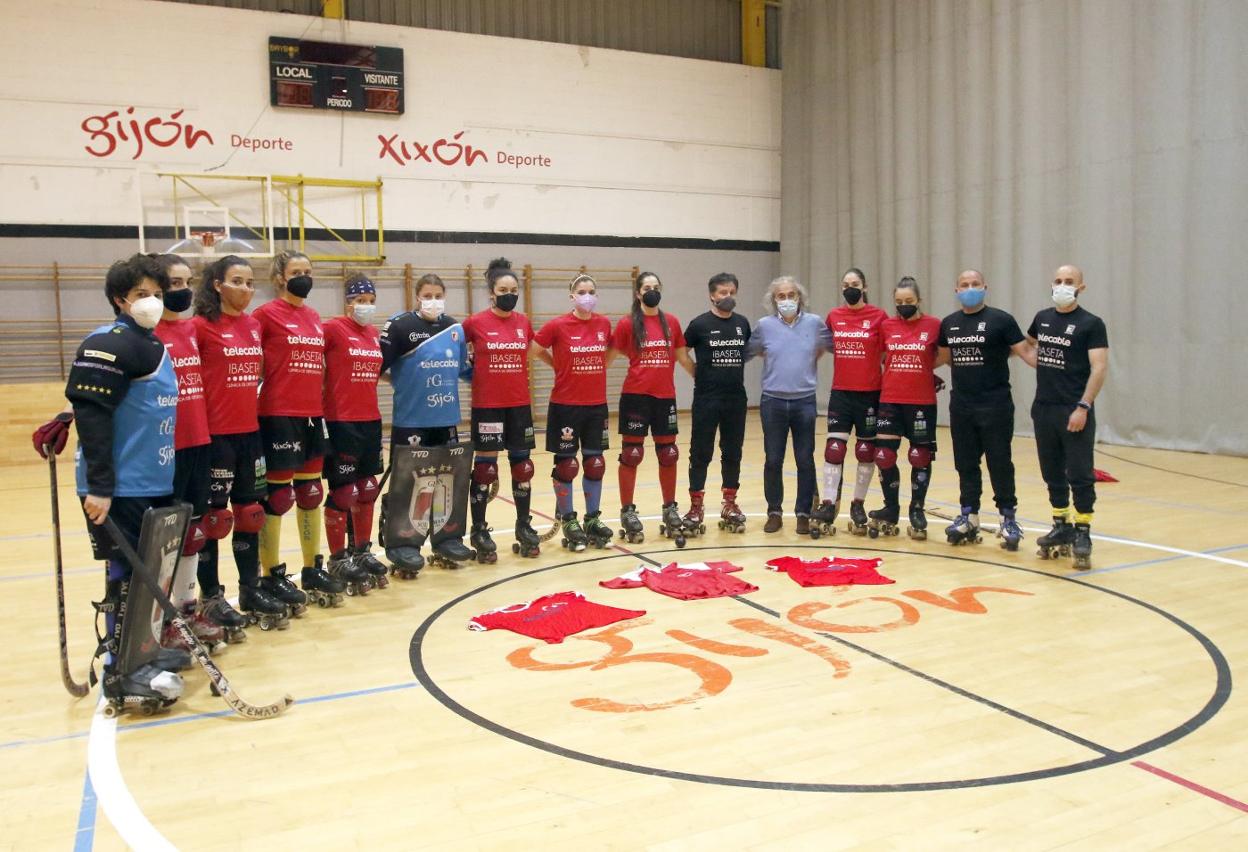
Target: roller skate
{"x": 731, "y": 518}
{"x": 260, "y": 607}
{"x": 858, "y": 520}
{"x": 574, "y": 538}
{"x": 528, "y": 542}
{"x": 353, "y": 578}
{"x": 148, "y": 689}
{"x": 1082, "y": 548}
{"x": 279, "y": 586}
{"x": 693, "y": 521}
{"x": 599, "y": 534}
{"x": 217, "y": 610}
{"x": 1010, "y": 532}
{"x": 210, "y": 635}
{"x": 965, "y": 529}
{"x": 451, "y": 554}
{"x": 823, "y": 519}
{"x": 631, "y": 528}
{"x": 487, "y": 550}
{"x": 363, "y": 556}
{"x": 883, "y": 521}
{"x": 917, "y": 528}
{"x": 405, "y": 562}
{"x": 1057, "y": 541}
{"x": 672, "y": 525}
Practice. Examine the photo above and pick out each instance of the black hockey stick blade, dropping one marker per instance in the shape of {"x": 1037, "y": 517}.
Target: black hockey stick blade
{"x": 198, "y": 651}
{"x": 73, "y": 687}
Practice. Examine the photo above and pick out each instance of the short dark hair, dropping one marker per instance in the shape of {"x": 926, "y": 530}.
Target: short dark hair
{"x": 124, "y": 275}
{"x": 500, "y": 267}
{"x": 722, "y": 278}
{"x": 908, "y": 283}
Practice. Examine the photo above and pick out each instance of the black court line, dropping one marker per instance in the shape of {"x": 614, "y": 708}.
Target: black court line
{"x": 1107, "y": 756}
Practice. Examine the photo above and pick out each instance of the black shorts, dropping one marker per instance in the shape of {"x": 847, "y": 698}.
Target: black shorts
{"x": 127, "y": 514}
{"x": 354, "y": 451}
{"x": 641, "y": 413}
{"x": 853, "y": 410}
{"x": 191, "y": 477}
{"x": 498, "y": 429}
{"x": 292, "y": 442}
{"x": 573, "y": 427}
{"x": 433, "y": 436}
{"x": 917, "y": 423}
{"x": 235, "y": 469}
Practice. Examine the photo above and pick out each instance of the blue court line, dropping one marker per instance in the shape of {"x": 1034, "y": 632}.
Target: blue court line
{"x": 1159, "y": 560}
{"x": 84, "y": 837}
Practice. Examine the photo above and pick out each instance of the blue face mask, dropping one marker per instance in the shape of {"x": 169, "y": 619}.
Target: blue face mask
{"x": 971, "y": 298}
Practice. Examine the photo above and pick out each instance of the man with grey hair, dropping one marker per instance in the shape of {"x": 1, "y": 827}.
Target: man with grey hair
{"x": 790, "y": 341}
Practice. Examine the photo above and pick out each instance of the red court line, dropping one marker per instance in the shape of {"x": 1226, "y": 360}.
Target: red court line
{"x": 1192, "y": 785}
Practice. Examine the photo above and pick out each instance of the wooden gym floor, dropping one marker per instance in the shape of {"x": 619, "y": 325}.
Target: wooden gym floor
{"x": 987, "y": 698}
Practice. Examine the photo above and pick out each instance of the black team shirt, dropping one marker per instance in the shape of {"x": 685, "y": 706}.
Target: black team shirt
{"x": 719, "y": 347}
{"x": 1062, "y": 344}
{"x": 979, "y": 349}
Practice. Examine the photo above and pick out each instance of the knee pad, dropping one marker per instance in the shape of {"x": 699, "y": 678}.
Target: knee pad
{"x": 668, "y": 454}
{"x": 249, "y": 517}
{"x": 885, "y": 458}
{"x": 864, "y": 451}
{"x": 522, "y": 470}
{"x": 308, "y": 493}
{"x": 281, "y": 496}
{"x": 834, "y": 451}
{"x": 485, "y": 472}
{"x": 566, "y": 469}
{"x": 367, "y": 491}
{"x": 218, "y": 522}
{"x": 344, "y": 497}
{"x": 595, "y": 467}
{"x": 632, "y": 454}
{"x": 921, "y": 456}
{"x": 196, "y": 538}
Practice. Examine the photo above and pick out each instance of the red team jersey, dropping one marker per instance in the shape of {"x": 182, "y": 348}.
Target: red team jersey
{"x": 909, "y": 353}
{"x": 352, "y": 365}
{"x": 685, "y": 582}
{"x": 835, "y": 571}
{"x": 191, "y": 429}
{"x": 579, "y": 348}
{"x": 652, "y": 371}
{"x": 552, "y": 617}
{"x": 294, "y": 360}
{"x": 500, "y": 358}
{"x": 230, "y": 359}
{"x": 857, "y": 347}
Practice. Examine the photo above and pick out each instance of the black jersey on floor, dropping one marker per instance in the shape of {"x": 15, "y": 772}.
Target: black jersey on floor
{"x": 979, "y": 348}
{"x": 1063, "y": 343}
{"x": 719, "y": 347}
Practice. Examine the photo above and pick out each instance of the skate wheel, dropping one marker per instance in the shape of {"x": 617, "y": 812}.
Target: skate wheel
{"x": 815, "y": 534}
{"x": 110, "y": 711}
{"x": 265, "y": 624}
{"x": 147, "y": 709}
{"x": 515, "y": 548}
{"x": 872, "y": 532}
{"x": 680, "y": 542}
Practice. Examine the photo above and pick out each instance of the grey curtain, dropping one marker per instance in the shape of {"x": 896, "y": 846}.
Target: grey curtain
{"x": 925, "y": 137}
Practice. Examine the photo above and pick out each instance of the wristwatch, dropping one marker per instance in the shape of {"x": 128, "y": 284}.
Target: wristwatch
{"x": 1086, "y": 406}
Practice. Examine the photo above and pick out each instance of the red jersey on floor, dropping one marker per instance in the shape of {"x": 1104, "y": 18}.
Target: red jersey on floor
{"x": 294, "y": 360}
{"x": 352, "y": 365}
{"x": 857, "y": 347}
{"x": 552, "y": 617}
{"x": 694, "y": 581}
{"x": 830, "y": 571}
{"x": 651, "y": 371}
{"x": 579, "y": 348}
{"x": 500, "y": 358}
{"x": 909, "y": 353}
{"x": 230, "y": 360}
{"x": 191, "y": 425}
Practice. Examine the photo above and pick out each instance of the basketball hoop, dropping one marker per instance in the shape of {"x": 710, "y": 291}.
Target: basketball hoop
{"x": 207, "y": 238}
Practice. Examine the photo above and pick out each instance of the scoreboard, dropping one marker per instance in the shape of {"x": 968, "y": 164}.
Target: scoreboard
{"x": 328, "y": 75}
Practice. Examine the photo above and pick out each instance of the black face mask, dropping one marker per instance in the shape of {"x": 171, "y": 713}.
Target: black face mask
{"x": 300, "y": 286}
{"x": 506, "y": 301}
{"x": 853, "y": 295}
{"x": 907, "y": 311}
{"x": 178, "y": 300}
{"x": 651, "y": 298}
{"x": 726, "y": 304}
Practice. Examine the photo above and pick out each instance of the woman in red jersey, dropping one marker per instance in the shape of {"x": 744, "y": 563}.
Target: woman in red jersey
{"x": 853, "y": 402}
{"x": 576, "y": 345}
{"x": 653, "y": 342}
{"x": 353, "y": 420}
{"x": 911, "y": 341}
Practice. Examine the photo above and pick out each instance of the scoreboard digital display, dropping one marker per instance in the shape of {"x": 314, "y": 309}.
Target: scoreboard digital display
{"x": 327, "y": 75}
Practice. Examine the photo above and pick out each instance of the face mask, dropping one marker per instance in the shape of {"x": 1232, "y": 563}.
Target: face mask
{"x": 363, "y": 313}
{"x": 300, "y": 286}
{"x": 907, "y": 311}
{"x": 726, "y": 304}
{"x": 586, "y": 302}
{"x": 1064, "y": 295}
{"x": 146, "y": 311}
{"x": 971, "y": 298}
{"x": 787, "y": 307}
{"x": 432, "y": 308}
{"x": 178, "y": 300}
{"x": 853, "y": 295}
{"x": 507, "y": 301}
{"x": 651, "y": 298}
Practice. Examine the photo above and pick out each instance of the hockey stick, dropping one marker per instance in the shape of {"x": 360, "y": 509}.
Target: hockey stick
{"x": 71, "y": 686}
{"x": 220, "y": 685}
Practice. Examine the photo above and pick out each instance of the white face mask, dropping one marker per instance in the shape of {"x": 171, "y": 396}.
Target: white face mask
{"x": 363, "y": 313}
{"x": 787, "y": 307}
{"x": 147, "y": 311}
{"x": 1064, "y": 295}
{"x": 432, "y": 308}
